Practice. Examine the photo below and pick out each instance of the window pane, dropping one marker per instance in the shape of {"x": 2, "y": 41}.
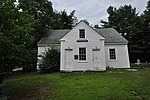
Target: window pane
{"x": 82, "y": 53}
{"x": 82, "y": 33}
{"x": 112, "y": 54}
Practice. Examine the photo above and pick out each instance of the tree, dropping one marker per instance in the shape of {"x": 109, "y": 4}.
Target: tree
{"x": 124, "y": 19}
{"x": 146, "y": 24}
{"x": 64, "y": 20}
{"x": 97, "y": 26}
{"x": 145, "y": 35}
{"x": 50, "y": 61}
{"x": 128, "y": 23}
{"x": 40, "y": 10}
{"x": 16, "y": 37}
{"x": 47, "y": 18}
{"x": 21, "y": 27}
{"x": 86, "y": 21}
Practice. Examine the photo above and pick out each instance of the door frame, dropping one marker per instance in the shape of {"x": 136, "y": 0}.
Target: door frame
{"x": 66, "y": 67}
{"x": 93, "y": 50}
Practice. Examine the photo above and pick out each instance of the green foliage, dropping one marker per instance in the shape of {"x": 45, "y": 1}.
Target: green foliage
{"x": 124, "y": 19}
{"x": 16, "y": 37}
{"x": 40, "y": 10}
{"x": 22, "y": 25}
{"x": 142, "y": 39}
{"x": 145, "y": 17}
{"x": 64, "y": 20}
{"x": 134, "y": 27}
{"x": 50, "y": 61}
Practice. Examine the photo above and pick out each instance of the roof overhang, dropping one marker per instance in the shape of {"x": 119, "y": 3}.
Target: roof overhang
{"x": 48, "y": 44}
{"x": 116, "y": 43}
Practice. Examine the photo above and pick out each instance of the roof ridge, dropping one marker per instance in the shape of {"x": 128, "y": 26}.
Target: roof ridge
{"x": 110, "y": 35}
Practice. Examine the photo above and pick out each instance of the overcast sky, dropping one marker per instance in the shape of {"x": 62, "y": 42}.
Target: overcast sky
{"x": 95, "y": 10}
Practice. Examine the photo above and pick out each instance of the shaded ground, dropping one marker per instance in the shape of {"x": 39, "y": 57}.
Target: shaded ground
{"x": 117, "y": 84}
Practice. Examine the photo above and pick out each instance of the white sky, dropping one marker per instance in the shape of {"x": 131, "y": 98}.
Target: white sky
{"x": 95, "y": 10}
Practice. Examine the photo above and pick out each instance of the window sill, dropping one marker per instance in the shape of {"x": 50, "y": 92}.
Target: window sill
{"x": 113, "y": 60}
{"x": 82, "y": 61}
{"x": 82, "y": 40}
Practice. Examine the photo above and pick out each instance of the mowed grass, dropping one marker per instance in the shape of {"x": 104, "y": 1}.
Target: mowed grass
{"x": 118, "y": 84}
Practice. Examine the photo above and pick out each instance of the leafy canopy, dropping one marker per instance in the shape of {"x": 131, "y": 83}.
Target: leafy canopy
{"x": 16, "y": 37}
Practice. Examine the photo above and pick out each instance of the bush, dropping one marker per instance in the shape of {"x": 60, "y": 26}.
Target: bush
{"x": 50, "y": 61}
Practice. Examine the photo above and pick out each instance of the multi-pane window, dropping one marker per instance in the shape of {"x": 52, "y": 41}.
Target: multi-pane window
{"x": 112, "y": 54}
{"x": 82, "y": 53}
{"x": 82, "y": 33}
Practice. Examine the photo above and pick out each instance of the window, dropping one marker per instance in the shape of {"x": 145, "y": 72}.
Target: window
{"x": 82, "y": 33}
{"x": 75, "y": 57}
{"x": 82, "y": 54}
{"x": 112, "y": 54}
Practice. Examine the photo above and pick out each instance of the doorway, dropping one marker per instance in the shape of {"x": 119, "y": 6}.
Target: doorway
{"x": 68, "y": 58}
{"x": 96, "y": 58}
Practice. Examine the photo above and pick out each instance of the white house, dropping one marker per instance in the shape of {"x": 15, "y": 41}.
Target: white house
{"x": 84, "y": 48}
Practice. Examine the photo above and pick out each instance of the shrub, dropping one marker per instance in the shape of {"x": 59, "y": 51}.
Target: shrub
{"x": 50, "y": 61}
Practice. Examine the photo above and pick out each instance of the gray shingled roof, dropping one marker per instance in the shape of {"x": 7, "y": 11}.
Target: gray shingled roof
{"x": 53, "y": 36}
{"x": 110, "y": 35}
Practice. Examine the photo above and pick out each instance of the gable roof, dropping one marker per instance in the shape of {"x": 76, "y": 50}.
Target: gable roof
{"x": 53, "y": 36}
{"x": 110, "y": 34}
{"x": 82, "y": 21}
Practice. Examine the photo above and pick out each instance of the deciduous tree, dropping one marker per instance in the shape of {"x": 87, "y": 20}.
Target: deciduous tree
{"x": 16, "y": 37}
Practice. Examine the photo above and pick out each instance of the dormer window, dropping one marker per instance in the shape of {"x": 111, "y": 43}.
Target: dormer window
{"x": 81, "y": 33}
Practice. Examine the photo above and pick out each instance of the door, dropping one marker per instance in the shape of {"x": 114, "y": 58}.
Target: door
{"x": 96, "y": 58}
{"x": 68, "y": 58}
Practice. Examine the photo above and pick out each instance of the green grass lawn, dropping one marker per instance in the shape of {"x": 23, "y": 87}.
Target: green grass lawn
{"x": 118, "y": 84}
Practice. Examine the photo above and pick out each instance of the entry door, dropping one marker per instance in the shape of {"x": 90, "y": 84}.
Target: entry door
{"x": 68, "y": 58}
{"x": 96, "y": 58}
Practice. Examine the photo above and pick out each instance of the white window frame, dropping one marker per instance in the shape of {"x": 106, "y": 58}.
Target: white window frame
{"x": 80, "y": 34}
